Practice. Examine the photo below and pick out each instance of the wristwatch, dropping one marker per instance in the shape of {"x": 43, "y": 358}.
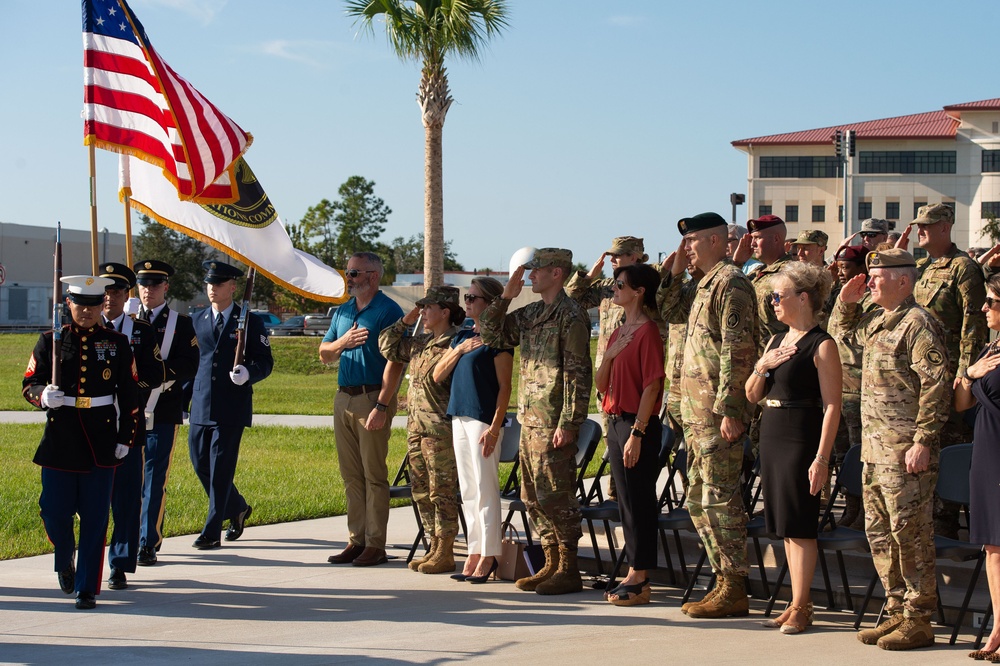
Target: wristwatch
{"x": 380, "y": 407}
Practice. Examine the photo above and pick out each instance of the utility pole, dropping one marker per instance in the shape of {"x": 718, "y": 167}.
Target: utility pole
{"x": 845, "y": 147}
{"x": 736, "y": 200}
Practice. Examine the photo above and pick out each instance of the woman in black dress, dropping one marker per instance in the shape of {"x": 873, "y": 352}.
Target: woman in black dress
{"x": 981, "y": 384}
{"x": 799, "y": 381}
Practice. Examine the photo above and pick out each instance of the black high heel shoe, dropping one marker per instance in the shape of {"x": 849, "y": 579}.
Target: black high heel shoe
{"x": 460, "y": 577}
{"x": 475, "y": 580}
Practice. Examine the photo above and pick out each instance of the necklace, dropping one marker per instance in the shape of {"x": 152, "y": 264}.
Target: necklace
{"x": 790, "y": 341}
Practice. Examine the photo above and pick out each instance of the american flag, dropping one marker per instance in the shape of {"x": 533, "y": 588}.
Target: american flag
{"x": 134, "y": 103}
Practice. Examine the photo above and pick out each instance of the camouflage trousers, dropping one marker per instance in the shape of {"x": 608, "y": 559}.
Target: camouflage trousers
{"x": 849, "y": 430}
{"x": 548, "y": 487}
{"x": 715, "y": 501}
{"x": 434, "y": 482}
{"x": 900, "y": 528}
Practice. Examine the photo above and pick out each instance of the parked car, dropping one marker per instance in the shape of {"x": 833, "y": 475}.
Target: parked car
{"x": 270, "y": 319}
{"x": 319, "y": 324}
{"x": 291, "y": 326}
{"x": 595, "y": 330}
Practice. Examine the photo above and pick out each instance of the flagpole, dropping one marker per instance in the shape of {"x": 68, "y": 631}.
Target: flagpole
{"x": 93, "y": 211}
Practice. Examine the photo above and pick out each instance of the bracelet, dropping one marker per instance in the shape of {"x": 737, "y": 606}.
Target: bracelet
{"x": 380, "y": 407}
{"x": 822, "y": 460}
{"x": 638, "y": 433}
{"x": 760, "y": 374}
{"x": 641, "y": 424}
{"x": 495, "y": 435}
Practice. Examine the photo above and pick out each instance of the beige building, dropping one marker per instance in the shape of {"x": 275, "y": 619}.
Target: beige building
{"x": 899, "y": 164}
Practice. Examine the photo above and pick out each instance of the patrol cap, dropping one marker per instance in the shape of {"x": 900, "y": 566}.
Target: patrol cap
{"x": 894, "y": 258}
{"x": 737, "y": 231}
{"x": 934, "y": 213}
{"x": 852, "y": 253}
{"x": 627, "y": 245}
{"x": 551, "y": 256}
{"x": 122, "y": 275}
{"x": 812, "y": 237}
{"x": 151, "y": 271}
{"x": 446, "y": 296}
{"x": 764, "y": 222}
{"x": 875, "y": 225}
{"x": 86, "y": 289}
{"x": 219, "y": 272}
{"x": 700, "y": 222}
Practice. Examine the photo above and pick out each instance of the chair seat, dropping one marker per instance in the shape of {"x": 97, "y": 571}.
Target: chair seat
{"x": 678, "y": 519}
{"x": 606, "y": 510}
{"x": 842, "y": 538}
{"x": 756, "y": 527}
{"x": 958, "y": 551}
{"x": 512, "y": 504}
{"x": 400, "y": 492}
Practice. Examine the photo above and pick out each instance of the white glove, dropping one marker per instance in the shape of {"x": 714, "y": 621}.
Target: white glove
{"x": 52, "y": 397}
{"x": 132, "y": 306}
{"x": 239, "y": 375}
{"x": 121, "y": 451}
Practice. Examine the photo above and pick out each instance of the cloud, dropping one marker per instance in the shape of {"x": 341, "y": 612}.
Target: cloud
{"x": 625, "y": 20}
{"x": 314, "y": 53}
{"x": 202, "y": 10}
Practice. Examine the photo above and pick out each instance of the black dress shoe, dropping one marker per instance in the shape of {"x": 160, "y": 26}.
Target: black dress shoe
{"x": 117, "y": 580}
{"x": 237, "y": 524}
{"x": 67, "y": 579}
{"x": 204, "y": 543}
{"x": 85, "y": 601}
{"x": 147, "y": 556}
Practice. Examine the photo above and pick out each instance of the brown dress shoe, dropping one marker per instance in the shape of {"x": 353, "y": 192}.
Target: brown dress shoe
{"x": 370, "y": 557}
{"x": 348, "y": 555}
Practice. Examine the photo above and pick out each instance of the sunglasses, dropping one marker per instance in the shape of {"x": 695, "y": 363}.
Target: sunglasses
{"x": 990, "y": 301}
{"x": 354, "y": 272}
{"x": 620, "y": 284}
{"x": 869, "y": 234}
{"x": 776, "y": 297}
{"x": 471, "y": 298}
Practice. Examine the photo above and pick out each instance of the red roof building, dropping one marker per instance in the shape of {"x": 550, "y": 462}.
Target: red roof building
{"x": 898, "y": 164}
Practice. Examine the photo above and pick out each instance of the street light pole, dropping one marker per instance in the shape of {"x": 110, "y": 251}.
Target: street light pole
{"x": 736, "y": 200}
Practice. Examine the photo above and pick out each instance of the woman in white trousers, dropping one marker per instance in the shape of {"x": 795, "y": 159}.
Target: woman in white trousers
{"x": 480, "y": 393}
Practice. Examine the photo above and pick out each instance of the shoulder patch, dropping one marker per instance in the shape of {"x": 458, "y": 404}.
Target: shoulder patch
{"x": 264, "y": 341}
{"x": 934, "y": 357}
{"x": 733, "y": 320}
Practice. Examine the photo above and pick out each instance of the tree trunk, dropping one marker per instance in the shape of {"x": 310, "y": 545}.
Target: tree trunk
{"x": 434, "y": 99}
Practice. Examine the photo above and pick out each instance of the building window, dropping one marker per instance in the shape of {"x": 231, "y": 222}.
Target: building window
{"x": 907, "y": 161}
{"x": 791, "y": 213}
{"x": 991, "y": 161}
{"x": 917, "y": 205}
{"x": 819, "y": 213}
{"x": 763, "y": 210}
{"x": 892, "y": 210}
{"x": 991, "y": 208}
{"x": 864, "y": 210}
{"x": 800, "y": 167}
{"x": 840, "y": 213}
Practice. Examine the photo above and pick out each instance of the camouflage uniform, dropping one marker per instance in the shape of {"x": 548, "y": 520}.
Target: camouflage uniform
{"x": 675, "y": 341}
{"x": 849, "y": 433}
{"x": 719, "y": 353}
{"x": 767, "y": 322}
{"x": 429, "y": 449}
{"x": 554, "y": 392}
{"x": 905, "y": 398}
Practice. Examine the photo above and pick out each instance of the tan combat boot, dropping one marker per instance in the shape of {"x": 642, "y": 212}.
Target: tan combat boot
{"x": 730, "y": 600}
{"x": 567, "y": 576}
{"x": 551, "y": 565}
{"x": 708, "y": 597}
{"x": 913, "y": 632}
{"x": 417, "y": 561}
{"x": 889, "y": 625}
{"x": 443, "y": 559}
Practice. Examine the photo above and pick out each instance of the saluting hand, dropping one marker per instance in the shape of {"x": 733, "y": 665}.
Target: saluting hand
{"x": 854, "y": 289}
{"x": 514, "y": 285}
{"x": 904, "y": 239}
{"x": 744, "y": 250}
{"x": 411, "y": 317}
{"x": 991, "y": 258}
{"x": 598, "y": 266}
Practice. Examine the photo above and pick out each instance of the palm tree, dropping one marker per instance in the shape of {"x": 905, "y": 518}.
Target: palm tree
{"x": 428, "y": 31}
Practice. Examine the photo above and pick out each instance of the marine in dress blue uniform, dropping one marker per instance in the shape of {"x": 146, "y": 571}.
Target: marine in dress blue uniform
{"x": 164, "y": 408}
{"x": 123, "y": 550}
{"x": 222, "y": 401}
{"x": 85, "y": 434}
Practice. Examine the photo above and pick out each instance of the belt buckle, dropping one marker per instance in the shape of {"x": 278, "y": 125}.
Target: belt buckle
{"x": 83, "y": 403}
{"x": 772, "y": 403}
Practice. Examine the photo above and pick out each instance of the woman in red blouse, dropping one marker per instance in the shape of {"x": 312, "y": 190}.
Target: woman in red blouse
{"x": 631, "y": 380}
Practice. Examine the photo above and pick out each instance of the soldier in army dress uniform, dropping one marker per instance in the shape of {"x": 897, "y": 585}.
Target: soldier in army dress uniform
{"x": 719, "y": 353}
{"x": 556, "y": 379}
{"x": 123, "y": 549}
{"x": 91, "y": 419}
{"x": 905, "y": 399}
{"x": 429, "y": 447}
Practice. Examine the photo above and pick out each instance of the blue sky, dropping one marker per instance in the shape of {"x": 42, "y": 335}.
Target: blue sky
{"x": 586, "y": 120}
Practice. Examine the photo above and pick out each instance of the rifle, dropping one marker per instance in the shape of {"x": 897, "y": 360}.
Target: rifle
{"x": 241, "y": 327}
{"x": 57, "y": 306}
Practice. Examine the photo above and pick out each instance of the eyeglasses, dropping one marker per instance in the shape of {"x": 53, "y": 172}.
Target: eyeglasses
{"x": 471, "y": 298}
{"x": 870, "y": 234}
{"x": 354, "y": 272}
{"x": 776, "y": 296}
{"x": 990, "y": 301}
